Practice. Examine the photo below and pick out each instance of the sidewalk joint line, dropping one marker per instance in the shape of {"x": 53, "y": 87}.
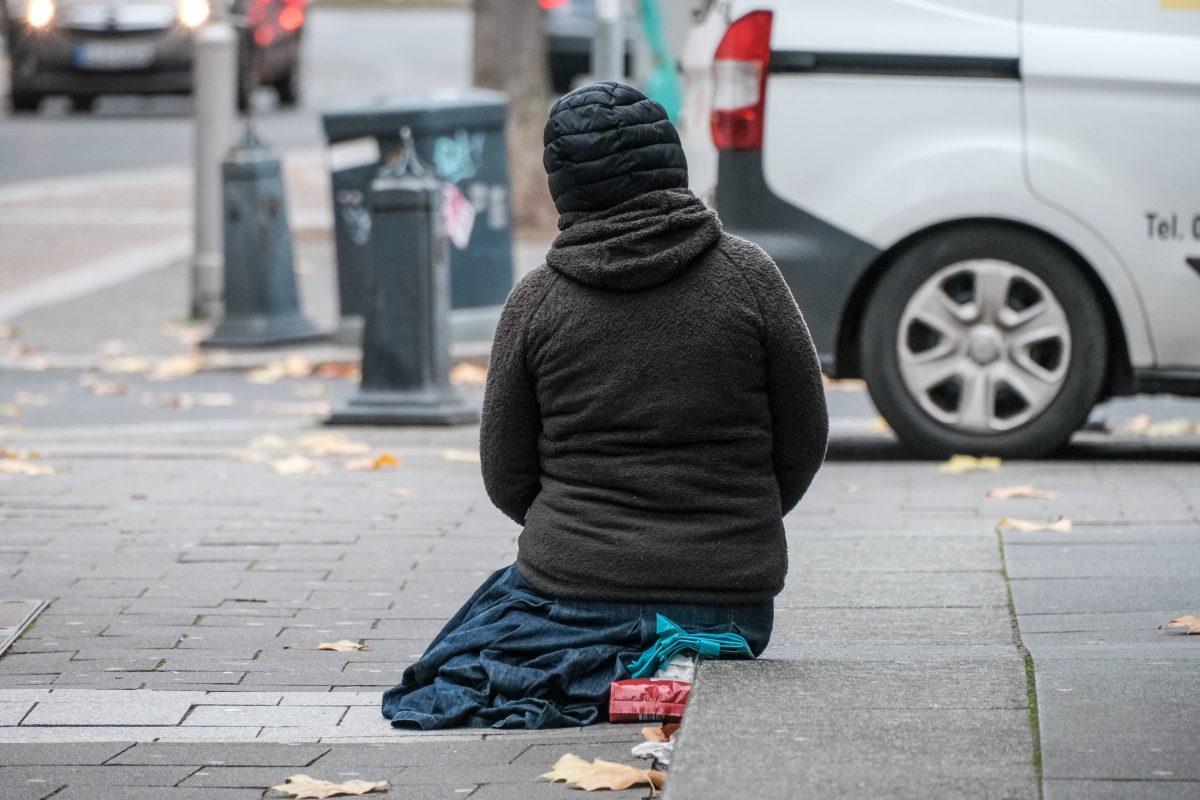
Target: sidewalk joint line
{"x": 1030, "y": 675}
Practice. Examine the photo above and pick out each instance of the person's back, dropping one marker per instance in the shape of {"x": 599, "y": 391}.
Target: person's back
{"x": 653, "y": 408}
{"x": 662, "y": 357}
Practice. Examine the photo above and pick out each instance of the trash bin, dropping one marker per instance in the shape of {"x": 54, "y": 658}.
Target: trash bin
{"x": 460, "y": 133}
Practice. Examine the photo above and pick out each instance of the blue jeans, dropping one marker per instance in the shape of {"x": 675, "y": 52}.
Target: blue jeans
{"x": 514, "y": 658}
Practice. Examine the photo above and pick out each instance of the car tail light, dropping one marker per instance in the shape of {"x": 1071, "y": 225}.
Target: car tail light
{"x": 740, "y": 83}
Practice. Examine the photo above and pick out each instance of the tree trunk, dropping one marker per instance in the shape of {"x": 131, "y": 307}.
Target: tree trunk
{"x": 510, "y": 55}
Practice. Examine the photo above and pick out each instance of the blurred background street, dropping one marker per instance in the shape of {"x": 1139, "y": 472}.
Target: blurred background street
{"x": 194, "y": 542}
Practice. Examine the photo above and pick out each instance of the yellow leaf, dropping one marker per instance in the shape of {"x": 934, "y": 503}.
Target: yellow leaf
{"x": 179, "y": 366}
{"x": 575, "y": 771}
{"x": 879, "y": 425}
{"x": 332, "y": 443}
{"x": 303, "y": 786}
{"x": 344, "y": 646}
{"x": 1187, "y": 624}
{"x": 297, "y": 464}
{"x": 373, "y": 464}
{"x": 10, "y": 410}
{"x": 12, "y": 466}
{"x": 470, "y": 456}
{"x": 1060, "y": 525}
{"x": 1006, "y": 492}
{"x": 466, "y": 372}
{"x": 400, "y": 491}
{"x": 959, "y": 464}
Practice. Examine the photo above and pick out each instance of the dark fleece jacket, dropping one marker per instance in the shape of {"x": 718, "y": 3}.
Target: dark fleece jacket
{"x": 653, "y": 408}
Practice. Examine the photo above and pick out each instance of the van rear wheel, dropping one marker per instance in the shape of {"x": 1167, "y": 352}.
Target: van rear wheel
{"x": 984, "y": 339}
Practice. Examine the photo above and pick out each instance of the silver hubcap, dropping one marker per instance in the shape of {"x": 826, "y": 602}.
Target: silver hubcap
{"x": 984, "y": 346}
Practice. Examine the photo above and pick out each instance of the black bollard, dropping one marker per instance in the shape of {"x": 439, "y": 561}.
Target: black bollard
{"x": 262, "y": 306}
{"x": 406, "y": 339}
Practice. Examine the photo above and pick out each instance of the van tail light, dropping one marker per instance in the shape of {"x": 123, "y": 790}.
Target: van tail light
{"x": 740, "y": 83}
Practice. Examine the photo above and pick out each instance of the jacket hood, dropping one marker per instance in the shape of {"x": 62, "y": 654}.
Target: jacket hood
{"x": 640, "y": 243}
{"x": 607, "y": 143}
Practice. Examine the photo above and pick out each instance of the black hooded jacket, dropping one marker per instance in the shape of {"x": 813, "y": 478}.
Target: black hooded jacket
{"x": 653, "y": 408}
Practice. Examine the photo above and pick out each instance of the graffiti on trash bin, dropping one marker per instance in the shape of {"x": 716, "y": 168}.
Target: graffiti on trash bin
{"x": 459, "y": 157}
{"x": 355, "y": 215}
{"x": 491, "y": 202}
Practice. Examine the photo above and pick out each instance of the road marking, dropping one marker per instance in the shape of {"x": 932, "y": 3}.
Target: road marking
{"x": 97, "y": 275}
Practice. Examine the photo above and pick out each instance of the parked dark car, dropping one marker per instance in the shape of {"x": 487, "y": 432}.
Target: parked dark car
{"x": 87, "y": 48}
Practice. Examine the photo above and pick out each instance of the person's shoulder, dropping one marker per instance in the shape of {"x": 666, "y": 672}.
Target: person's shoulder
{"x": 531, "y": 288}
{"x": 746, "y": 258}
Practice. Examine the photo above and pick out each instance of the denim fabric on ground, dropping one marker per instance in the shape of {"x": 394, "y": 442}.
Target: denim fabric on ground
{"x": 513, "y": 658}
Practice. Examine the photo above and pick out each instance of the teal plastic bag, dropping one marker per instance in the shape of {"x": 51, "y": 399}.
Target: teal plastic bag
{"x": 673, "y": 639}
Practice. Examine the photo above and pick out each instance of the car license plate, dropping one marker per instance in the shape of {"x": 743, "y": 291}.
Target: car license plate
{"x": 114, "y": 55}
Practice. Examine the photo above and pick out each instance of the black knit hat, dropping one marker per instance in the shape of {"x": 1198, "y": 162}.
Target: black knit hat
{"x": 607, "y": 143}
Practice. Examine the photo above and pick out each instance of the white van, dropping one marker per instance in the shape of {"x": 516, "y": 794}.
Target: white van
{"x": 988, "y": 209}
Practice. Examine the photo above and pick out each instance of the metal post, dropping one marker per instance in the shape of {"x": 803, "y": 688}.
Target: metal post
{"x": 214, "y": 81}
{"x": 262, "y": 304}
{"x": 406, "y": 339}
{"x": 608, "y": 45}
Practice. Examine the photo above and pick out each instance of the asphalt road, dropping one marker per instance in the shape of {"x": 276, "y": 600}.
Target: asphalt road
{"x": 349, "y": 54}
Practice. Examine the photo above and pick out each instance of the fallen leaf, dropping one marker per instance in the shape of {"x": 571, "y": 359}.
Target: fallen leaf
{"x": 316, "y": 407}
{"x": 1006, "y": 492}
{"x": 126, "y": 365}
{"x": 31, "y": 399}
{"x": 297, "y": 464}
{"x": 400, "y": 491}
{"x": 179, "y": 366}
{"x": 268, "y": 441}
{"x": 844, "y": 384}
{"x": 661, "y": 733}
{"x": 189, "y": 335}
{"x": 471, "y": 456}
{"x": 111, "y": 348}
{"x": 466, "y": 372}
{"x": 373, "y": 464}
{"x": 8, "y": 331}
{"x": 303, "y": 786}
{"x": 102, "y": 388}
{"x": 1173, "y": 427}
{"x": 184, "y": 400}
{"x": 332, "y": 443}
{"x": 1187, "y": 625}
{"x": 344, "y": 646}
{"x": 879, "y": 425}
{"x": 345, "y": 370}
{"x": 959, "y": 464}
{"x": 1060, "y": 525}
{"x": 10, "y": 410}
{"x": 12, "y": 466}
{"x": 290, "y": 367}
{"x": 577, "y": 772}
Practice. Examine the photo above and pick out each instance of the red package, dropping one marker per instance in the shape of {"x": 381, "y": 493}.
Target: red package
{"x": 647, "y": 700}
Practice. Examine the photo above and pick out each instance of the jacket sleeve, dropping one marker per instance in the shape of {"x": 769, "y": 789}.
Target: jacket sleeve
{"x": 799, "y": 418}
{"x": 512, "y": 423}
